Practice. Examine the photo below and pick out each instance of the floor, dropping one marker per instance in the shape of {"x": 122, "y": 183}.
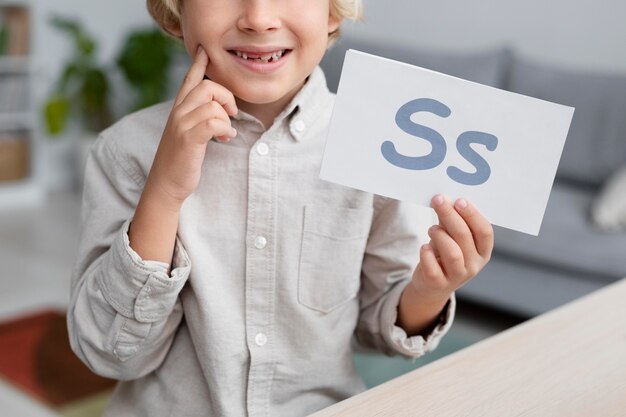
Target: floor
{"x": 37, "y": 248}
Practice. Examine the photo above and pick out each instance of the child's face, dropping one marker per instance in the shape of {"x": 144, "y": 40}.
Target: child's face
{"x": 228, "y": 29}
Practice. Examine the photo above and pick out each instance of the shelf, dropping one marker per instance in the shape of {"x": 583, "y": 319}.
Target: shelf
{"x": 14, "y": 64}
{"x": 18, "y": 116}
{"x": 17, "y": 121}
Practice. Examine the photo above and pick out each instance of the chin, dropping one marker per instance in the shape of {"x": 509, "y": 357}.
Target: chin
{"x": 261, "y": 96}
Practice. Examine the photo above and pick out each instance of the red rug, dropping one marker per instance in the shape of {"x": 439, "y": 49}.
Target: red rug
{"x": 35, "y": 356}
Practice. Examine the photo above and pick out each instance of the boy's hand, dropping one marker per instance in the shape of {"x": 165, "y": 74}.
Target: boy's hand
{"x": 201, "y": 111}
{"x": 460, "y": 247}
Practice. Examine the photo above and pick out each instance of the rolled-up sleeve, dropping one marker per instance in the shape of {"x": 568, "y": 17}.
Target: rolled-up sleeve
{"x": 414, "y": 346}
{"x": 124, "y": 311}
{"x": 391, "y": 255}
{"x": 138, "y": 289}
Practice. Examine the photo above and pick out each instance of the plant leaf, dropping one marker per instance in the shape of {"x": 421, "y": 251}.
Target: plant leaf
{"x": 56, "y": 112}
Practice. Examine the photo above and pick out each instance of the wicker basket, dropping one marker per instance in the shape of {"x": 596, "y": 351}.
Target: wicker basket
{"x": 14, "y": 158}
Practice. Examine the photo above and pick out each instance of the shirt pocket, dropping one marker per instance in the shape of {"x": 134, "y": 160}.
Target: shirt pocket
{"x": 333, "y": 244}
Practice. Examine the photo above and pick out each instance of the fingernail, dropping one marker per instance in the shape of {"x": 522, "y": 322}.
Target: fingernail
{"x": 426, "y": 247}
{"x": 234, "y": 133}
{"x": 199, "y": 50}
{"x": 433, "y": 229}
{"x": 438, "y": 200}
{"x": 461, "y": 203}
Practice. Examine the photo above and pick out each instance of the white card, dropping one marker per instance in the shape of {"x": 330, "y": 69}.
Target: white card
{"x": 409, "y": 133}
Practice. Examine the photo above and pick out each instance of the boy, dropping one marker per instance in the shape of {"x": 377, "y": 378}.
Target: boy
{"x": 217, "y": 275}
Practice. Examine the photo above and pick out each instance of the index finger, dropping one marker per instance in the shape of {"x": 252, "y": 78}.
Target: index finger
{"x": 453, "y": 223}
{"x": 481, "y": 228}
{"x": 194, "y": 76}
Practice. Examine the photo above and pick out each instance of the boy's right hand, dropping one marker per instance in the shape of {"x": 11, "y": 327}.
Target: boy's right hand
{"x": 201, "y": 111}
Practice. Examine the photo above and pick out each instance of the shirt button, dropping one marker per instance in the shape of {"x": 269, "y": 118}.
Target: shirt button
{"x": 299, "y": 125}
{"x": 260, "y": 242}
{"x": 263, "y": 149}
{"x": 260, "y": 339}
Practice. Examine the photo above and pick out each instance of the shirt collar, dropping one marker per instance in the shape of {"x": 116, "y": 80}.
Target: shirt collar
{"x": 303, "y": 109}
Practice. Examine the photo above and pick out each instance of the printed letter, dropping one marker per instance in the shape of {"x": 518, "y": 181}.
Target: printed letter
{"x": 483, "y": 171}
{"x": 403, "y": 120}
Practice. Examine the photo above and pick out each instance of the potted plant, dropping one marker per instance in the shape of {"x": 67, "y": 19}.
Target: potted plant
{"x": 83, "y": 87}
{"x": 145, "y": 60}
{"x": 80, "y": 94}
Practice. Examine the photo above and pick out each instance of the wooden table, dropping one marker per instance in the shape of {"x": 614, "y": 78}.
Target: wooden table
{"x": 568, "y": 362}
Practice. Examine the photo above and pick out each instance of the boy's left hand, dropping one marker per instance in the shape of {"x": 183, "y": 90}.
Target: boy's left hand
{"x": 459, "y": 248}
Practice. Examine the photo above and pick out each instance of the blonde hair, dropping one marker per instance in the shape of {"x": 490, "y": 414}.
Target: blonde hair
{"x": 167, "y": 13}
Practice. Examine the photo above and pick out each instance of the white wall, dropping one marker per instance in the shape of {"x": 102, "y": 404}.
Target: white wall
{"x": 579, "y": 34}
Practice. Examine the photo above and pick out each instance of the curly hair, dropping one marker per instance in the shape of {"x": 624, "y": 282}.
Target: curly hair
{"x": 167, "y": 13}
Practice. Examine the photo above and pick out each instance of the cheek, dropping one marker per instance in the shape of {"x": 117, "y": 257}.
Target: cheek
{"x": 191, "y": 47}
{"x": 316, "y": 45}
{"x": 195, "y": 33}
{"x": 189, "y": 38}
{"x": 316, "y": 32}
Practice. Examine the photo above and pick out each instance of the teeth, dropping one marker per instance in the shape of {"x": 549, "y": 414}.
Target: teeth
{"x": 263, "y": 58}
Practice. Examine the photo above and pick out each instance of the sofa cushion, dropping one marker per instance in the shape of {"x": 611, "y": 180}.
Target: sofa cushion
{"x": 609, "y": 208}
{"x": 568, "y": 239}
{"x": 485, "y": 67}
{"x": 596, "y": 144}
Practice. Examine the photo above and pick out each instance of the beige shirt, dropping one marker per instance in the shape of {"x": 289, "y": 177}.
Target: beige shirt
{"x": 276, "y": 276}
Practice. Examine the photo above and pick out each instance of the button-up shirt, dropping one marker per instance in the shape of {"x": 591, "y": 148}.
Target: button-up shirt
{"x": 276, "y": 275}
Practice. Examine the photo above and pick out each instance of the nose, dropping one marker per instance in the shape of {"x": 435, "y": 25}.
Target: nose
{"x": 259, "y": 16}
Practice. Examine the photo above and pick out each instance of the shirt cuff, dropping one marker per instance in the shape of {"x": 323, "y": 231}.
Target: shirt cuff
{"x": 415, "y": 346}
{"x": 138, "y": 289}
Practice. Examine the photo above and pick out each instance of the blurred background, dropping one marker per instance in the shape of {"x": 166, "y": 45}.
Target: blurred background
{"x": 69, "y": 68}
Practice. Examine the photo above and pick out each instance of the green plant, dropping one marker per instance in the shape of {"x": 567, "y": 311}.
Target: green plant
{"x": 145, "y": 60}
{"x": 4, "y": 38}
{"x": 83, "y": 87}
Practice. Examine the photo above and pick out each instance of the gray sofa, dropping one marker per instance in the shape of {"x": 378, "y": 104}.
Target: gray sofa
{"x": 573, "y": 255}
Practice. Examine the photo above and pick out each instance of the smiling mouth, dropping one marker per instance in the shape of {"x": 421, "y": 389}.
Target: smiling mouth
{"x": 258, "y": 57}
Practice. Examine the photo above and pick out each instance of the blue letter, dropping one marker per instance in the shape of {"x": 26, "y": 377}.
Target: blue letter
{"x": 483, "y": 171}
{"x": 403, "y": 120}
